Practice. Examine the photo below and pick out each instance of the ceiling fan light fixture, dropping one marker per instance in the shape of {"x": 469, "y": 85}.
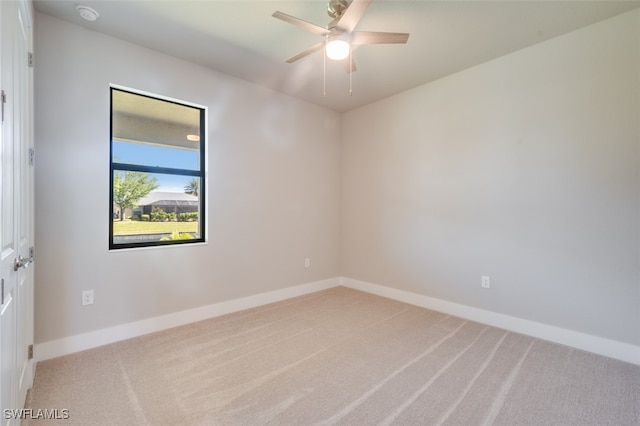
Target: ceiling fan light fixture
{"x": 337, "y": 49}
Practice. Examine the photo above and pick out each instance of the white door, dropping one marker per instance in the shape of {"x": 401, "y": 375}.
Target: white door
{"x": 23, "y": 140}
{"x": 16, "y": 183}
{"x": 8, "y": 234}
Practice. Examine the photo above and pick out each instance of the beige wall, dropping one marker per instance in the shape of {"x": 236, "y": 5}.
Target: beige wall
{"x": 273, "y": 188}
{"x": 525, "y": 169}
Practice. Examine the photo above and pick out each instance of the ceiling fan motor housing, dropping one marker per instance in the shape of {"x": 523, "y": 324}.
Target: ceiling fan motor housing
{"x": 336, "y": 8}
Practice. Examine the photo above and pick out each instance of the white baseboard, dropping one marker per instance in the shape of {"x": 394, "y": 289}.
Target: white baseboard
{"x": 80, "y": 342}
{"x": 599, "y": 345}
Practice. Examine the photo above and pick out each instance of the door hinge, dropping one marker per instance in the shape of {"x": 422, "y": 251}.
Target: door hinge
{"x": 30, "y": 352}
{"x": 32, "y": 155}
{"x": 2, "y": 291}
{"x": 3, "y": 100}
{"x": 30, "y": 59}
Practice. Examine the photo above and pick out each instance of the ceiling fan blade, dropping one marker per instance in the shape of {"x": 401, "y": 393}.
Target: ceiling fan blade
{"x": 352, "y": 15}
{"x": 349, "y": 67}
{"x": 372, "y": 37}
{"x": 306, "y": 52}
{"x": 300, "y": 23}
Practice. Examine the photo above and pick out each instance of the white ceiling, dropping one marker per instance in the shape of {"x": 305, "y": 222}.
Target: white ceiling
{"x": 239, "y": 37}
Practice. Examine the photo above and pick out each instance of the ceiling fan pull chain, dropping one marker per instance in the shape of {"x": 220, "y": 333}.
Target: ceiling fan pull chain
{"x": 324, "y": 73}
{"x": 350, "y": 72}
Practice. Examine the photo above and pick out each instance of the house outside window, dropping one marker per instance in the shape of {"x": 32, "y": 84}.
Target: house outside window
{"x": 157, "y": 166}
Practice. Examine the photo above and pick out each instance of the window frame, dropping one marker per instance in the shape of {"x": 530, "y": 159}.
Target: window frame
{"x": 120, "y": 166}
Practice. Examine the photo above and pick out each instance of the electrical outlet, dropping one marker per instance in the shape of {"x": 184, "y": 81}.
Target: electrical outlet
{"x": 87, "y": 297}
{"x": 307, "y": 262}
{"x": 485, "y": 281}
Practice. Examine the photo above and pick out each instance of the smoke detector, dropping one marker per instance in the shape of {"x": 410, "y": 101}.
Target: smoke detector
{"x": 87, "y": 12}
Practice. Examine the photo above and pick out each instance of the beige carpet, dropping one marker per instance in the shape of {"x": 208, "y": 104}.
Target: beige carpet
{"x": 337, "y": 357}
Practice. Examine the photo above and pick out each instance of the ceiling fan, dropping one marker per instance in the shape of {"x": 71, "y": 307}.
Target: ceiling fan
{"x": 339, "y": 35}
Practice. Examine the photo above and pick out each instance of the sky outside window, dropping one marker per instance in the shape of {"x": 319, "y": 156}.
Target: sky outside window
{"x": 161, "y": 156}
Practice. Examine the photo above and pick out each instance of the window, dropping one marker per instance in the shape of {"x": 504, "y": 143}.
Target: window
{"x": 157, "y": 165}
